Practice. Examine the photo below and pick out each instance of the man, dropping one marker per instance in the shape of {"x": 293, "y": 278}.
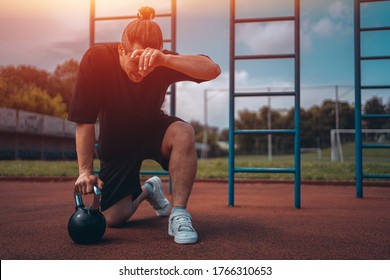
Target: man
{"x": 124, "y": 86}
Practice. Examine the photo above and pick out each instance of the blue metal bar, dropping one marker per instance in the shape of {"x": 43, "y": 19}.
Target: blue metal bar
{"x": 259, "y": 94}
{"x": 265, "y": 56}
{"x": 254, "y": 20}
{"x": 375, "y": 116}
{"x": 376, "y": 87}
{"x": 231, "y": 106}
{"x": 368, "y": 29}
{"x": 265, "y": 131}
{"x": 376, "y": 176}
{"x": 297, "y": 108}
{"x": 265, "y": 170}
{"x": 126, "y": 17}
{"x": 358, "y": 105}
{"x": 383, "y": 57}
{"x": 153, "y": 172}
{"x": 376, "y": 146}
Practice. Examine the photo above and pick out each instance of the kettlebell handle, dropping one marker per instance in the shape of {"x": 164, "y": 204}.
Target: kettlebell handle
{"x": 96, "y": 199}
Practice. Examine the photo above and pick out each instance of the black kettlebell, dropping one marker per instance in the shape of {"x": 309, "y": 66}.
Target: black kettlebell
{"x": 87, "y": 224}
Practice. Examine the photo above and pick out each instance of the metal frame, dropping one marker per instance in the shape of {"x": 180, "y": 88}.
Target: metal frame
{"x": 359, "y": 146}
{"x": 296, "y": 170}
{"x": 92, "y": 21}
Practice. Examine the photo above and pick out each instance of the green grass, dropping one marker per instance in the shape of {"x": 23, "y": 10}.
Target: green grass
{"x": 311, "y": 167}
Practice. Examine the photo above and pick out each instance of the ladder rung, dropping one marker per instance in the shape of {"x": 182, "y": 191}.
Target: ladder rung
{"x": 264, "y": 170}
{"x": 368, "y": 29}
{"x": 126, "y": 17}
{"x": 375, "y": 116}
{"x": 270, "y": 19}
{"x": 267, "y": 56}
{"x": 375, "y": 57}
{"x": 376, "y": 146}
{"x": 376, "y": 176}
{"x": 265, "y": 131}
{"x": 376, "y": 87}
{"x": 274, "y": 93}
{"x": 370, "y": 1}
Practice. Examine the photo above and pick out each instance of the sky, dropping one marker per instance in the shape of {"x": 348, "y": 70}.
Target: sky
{"x": 45, "y": 33}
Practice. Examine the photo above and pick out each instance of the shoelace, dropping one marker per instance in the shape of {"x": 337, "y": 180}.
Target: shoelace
{"x": 184, "y": 223}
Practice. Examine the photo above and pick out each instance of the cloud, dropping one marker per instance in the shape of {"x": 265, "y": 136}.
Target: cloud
{"x": 325, "y": 27}
{"x": 266, "y": 38}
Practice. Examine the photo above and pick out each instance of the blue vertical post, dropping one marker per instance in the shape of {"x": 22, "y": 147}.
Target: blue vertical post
{"x": 297, "y": 109}
{"x": 231, "y": 106}
{"x": 358, "y": 116}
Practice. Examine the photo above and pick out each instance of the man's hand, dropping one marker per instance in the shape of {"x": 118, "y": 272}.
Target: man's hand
{"x": 148, "y": 59}
{"x": 85, "y": 182}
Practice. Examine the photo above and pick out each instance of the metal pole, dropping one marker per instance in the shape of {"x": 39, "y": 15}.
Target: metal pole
{"x": 231, "y": 106}
{"x": 91, "y": 23}
{"x": 358, "y": 105}
{"x": 269, "y": 116}
{"x": 205, "y": 125}
{"x": 297, "y": 111}
{"x": 173, "y": 48}
{"x": 339, "y": 149}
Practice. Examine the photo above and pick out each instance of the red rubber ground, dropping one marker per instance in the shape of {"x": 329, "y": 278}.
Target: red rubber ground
{"x": 331, "y": 224}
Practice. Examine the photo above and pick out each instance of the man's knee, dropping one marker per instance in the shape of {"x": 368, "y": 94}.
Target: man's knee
{"x": 184, "y": 134}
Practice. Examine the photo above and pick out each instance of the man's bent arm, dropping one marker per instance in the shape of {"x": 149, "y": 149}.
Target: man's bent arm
{"x": 196, "y": 66}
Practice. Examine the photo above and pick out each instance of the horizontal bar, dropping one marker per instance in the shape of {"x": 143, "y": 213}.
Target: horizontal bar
{"x": 270, "y": 19}
{"x": 266, "y": 56}
{"x": 376, "y": 146}
{"x": 267, "y": 93}
{"x": 375, "y": 57}
{"x": 264, "y": 131}
{"x": 153, "y": 172}
{"x": 102, "y": 43}
{"x": 376, "y": 87}
{"x": 125, "y": 17}
{"x": 370, "y": 1}
{"x": 376, "y": 176}
{"x": 264, "y": 170}
{"x": 368, "y": 29}
{"x": 143, "y": 172}
{"x": 375, "y": 116}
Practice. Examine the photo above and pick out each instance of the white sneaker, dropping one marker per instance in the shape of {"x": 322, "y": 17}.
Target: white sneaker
{"x": 180, "y": 227}
{"x": 157, "y": 199}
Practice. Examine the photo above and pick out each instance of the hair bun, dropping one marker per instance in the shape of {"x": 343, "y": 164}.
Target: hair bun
{"x": 146, "y": 13}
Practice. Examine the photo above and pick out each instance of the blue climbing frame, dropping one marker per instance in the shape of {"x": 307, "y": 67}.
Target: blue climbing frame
{"x": 359, "y": 146}
{"x": 172, "y": 41}
{"x": 296, "y": 170}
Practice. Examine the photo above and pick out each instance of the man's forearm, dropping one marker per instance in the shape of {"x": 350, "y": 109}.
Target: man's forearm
{"x": 85, "y": 141}
{"x": 196, "y": 66}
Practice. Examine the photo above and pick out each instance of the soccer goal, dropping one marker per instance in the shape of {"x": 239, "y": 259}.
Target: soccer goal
{"x": 343, "y": 142}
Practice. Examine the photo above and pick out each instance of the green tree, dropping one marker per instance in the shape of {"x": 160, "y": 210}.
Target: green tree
{"x": 62, "y": 80}
{"x": 33, "y": 99}
{"x": 374, "y": 106}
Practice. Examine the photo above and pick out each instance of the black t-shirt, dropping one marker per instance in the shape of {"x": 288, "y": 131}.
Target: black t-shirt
{"x": 128, "y": 112}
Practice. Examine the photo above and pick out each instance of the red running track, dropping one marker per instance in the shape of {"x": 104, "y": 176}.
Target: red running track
{"x": 332, "y": 224}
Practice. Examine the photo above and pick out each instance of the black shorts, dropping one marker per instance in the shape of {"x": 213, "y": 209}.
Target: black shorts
{"x": 120, "y": 174}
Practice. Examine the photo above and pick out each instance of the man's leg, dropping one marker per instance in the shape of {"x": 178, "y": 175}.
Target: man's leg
{"x": 121, "y": 211}
{"x": 179, "y": 146}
